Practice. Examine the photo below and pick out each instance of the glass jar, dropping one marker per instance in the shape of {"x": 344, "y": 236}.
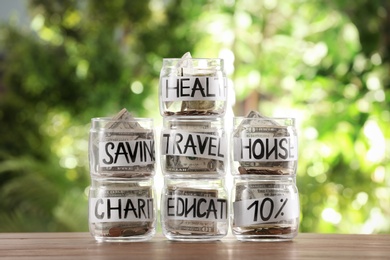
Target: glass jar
{"x": 193, "y": 87}
{"x": 122, "y": 147}
{"x": 265, "y": 209}
{"x": 193, "y": 146}
{"x": 264, "y": 146}
{"x": 194, "y": 209}
{"x": 122, "y": 210}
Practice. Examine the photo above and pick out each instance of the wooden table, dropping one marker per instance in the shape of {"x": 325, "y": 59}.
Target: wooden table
{"x": 82, "y": 246}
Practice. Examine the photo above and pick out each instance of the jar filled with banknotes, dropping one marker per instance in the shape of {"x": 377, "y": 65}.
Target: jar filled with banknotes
{"x": 193, "y": 146}
{"x": 192, "y": 87}
{"x": 122, "y": 166}
{"x": 194, "y": 209}
{"x": 122, "y": 147}
{"x": 264, "y": 146}
{"x": 122, "y": 209}
{"x": 265, "y": 209}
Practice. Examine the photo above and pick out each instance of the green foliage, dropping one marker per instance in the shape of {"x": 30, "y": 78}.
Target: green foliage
{"x": 324, "y": 63}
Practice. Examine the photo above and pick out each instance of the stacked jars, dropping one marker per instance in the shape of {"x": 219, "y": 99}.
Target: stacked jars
{"x": 265, "y": 201}
{"x": 193, "y": 149}
{"x": 122, "y": 162}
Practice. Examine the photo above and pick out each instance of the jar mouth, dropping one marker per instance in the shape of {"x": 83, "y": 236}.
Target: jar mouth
{"x": 195, "y": 59}
{"x": 181, "y": 118}
{"x": 110, "y": 119}
{"x": 281, "y": 121}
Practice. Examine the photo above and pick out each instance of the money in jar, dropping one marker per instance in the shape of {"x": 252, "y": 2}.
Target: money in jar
{"x": 122, "y": 210}
{"x": 192, "y": 87}
{"x": 264, "y": 146}
{"x": 265, "y": 209}
{"x": 122, "y": 146}
{"x": 194, "y": 209}
{"x": 193, "y": 146}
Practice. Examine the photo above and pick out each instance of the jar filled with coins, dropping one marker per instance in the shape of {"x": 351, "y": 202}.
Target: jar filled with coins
{"x": 265, "y": 201}
{"x": 122, "y": 209}
{"x": 265, "y": 209}
{"x": 194, "y": 209}
{"x": 122, "y": 166}
{"x": 192, "y": 87}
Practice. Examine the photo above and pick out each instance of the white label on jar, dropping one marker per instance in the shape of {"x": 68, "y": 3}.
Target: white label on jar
{"x": 121, "y": 209}
{"x": 126, "y": 153}
{"x": 265, "y": 210}
{"x": 193, "y": 145}
{"x": 277, "y": 149}
{"x": 195, "y": 208}
{"x": 192, "y": 88}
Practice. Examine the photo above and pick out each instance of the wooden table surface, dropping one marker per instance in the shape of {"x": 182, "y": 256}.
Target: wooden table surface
{"x": 83, "y": 246}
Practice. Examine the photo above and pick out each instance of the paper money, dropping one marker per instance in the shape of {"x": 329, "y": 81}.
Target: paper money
{"x": 186, "y": 164}
{"x": 265, "y": 128}
{"x": 192, "y": 164}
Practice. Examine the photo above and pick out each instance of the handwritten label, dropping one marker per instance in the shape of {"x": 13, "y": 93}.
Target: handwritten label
{"x": 265, "y": 149}
{"x": 126, "y": 153}
{"x": 192, "y": 88}
{"x": 126, "y": 209}
{"x": 193, "y": 145}
{"x": 195, "y": 208}
{"x": 265, "y": 210}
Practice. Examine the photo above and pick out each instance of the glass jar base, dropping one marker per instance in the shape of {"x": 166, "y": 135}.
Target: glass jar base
{"x": 193, "y": 238}
{"x": 130, "y": 239}
{"x": 257, "y": 238}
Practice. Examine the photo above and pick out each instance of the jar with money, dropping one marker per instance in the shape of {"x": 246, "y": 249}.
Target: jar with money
{"x": 194, "y": 209}
{"x": 265, "y": 209}
{"x": 192, "y": 87}
{"x": 122, "y": 146}
{"x": 264, "y": 146}
{"x": 121, "y": 209}
{"x": 193, "y": 146}
{"x": 122, "y": 164}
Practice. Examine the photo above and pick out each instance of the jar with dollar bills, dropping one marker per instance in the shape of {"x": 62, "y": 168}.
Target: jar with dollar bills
{"x": 264, "y": 146}
{"x": 193, "y": 87}
{"x": 122, "y": 165}
{"x": 194, "y": 209}
{"x": 265, "y": 209}
{"x": 122, "y": 209}
{"x": 122, "y": 147}
{"x": 193, "y": 146}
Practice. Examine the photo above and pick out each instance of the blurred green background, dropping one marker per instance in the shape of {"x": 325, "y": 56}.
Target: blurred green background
{"x": 326, "y": 63}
